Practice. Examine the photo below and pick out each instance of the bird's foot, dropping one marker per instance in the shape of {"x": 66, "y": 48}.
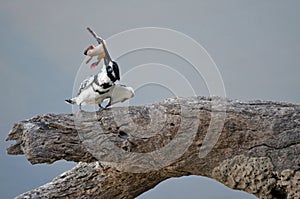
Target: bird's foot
{"x": 100, "y": 107}
{"x": 106, "y": 108}
{"x": 80, "y": 109}
{"x": 103, "y": 108}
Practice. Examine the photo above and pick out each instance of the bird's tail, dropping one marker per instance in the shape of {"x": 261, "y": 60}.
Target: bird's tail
{"x": 70, "y": 101}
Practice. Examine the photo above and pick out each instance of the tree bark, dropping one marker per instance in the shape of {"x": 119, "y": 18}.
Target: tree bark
{"x": 250, "y": 146}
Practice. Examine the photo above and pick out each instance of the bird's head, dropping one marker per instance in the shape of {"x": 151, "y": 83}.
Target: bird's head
{"x": 86, "y": 52}
{"x": 112, "y": 71}
{"x": 116, "y": 70}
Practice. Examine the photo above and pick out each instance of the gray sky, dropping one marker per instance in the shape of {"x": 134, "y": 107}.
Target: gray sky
{"x": 254, "y": 43}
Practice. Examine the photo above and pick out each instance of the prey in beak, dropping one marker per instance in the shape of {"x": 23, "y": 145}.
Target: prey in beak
{"x": 112, "y": 68}
{"x": 95, "y": 51}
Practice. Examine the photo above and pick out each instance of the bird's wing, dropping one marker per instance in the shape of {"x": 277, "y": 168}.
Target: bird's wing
{"x": 120, "y": 93}
{"x": 85, "y": 83}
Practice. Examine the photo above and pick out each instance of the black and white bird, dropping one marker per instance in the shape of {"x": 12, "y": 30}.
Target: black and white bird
{"x": 92, "y": 93}
{"x": 97, "y": 88}
{"x": 93, "y": 90}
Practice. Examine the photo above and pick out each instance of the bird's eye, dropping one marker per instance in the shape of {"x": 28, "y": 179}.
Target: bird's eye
{"x": 109, "y": 69}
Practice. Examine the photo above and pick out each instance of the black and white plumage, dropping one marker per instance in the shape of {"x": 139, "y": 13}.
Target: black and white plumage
{"x": 89, "y": 94}
{"x": 112, "y": 71}
{"x": 97, "y": 88}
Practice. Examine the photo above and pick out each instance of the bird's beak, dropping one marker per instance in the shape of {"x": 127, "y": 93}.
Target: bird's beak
{"x": 107, "y": 57}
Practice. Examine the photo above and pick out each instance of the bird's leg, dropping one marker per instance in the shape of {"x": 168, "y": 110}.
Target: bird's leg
{"x": 109, "y": 104}
{"x": 88, "y": 60}
{"x": 100, "y": 107}
{"x": 80, "y": 107}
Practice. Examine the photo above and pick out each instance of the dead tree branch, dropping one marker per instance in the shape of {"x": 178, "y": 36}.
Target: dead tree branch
{"x": 257, "y": 149}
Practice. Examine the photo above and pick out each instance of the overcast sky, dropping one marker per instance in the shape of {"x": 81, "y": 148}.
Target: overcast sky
{"x": 254, "y": 43}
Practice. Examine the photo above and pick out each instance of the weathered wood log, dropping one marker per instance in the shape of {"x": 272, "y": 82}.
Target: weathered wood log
{"x": 257, "y": 149}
